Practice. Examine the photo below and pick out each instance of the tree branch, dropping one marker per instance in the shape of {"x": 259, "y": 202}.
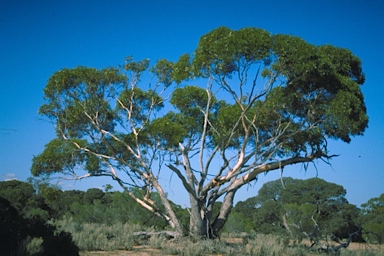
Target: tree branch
{"x": 182, "y": 178}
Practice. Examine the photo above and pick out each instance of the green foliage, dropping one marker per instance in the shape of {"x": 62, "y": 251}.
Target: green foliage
{"x": 182, "y": 69}
{"x": 96, "y": 237}
{"x": 91, "y": 206}
{"x": 22, "y": 236}
{"x": 193, "y": 248}
{"x": 167, "y": 131}
{"x": 71, "y": 92}
{"x": 323, "y": 82}
{"x": 138, "y": 103}
{"x": 322, "y": 87}
{"x": 303, "y": 204}
{"x": 315, "y": 191}
{"x": 25, "y": 199}
{"x": 100, "y": 220}
{"x": 238, "y": 223}
{"x": 58, "y": 155}
{"x": 35, "y": 246}
{"x": 189, "y": 98}
{"x": 223, "y": 50}
{"x": 163, "y": 70}
{"x": 92, "y": 195}
{"x": 269, "y": 99}
{"x": 364, "y": 252}
{"x": 111, "y": 208}
{"x": 271, "y": 245}
{"x": 157, "y": 242}
{"x": 17, "y": 192}
{"x": 374, "y": 205}
{"x": 372, "y": 218}
{"x": 136, "y": 68}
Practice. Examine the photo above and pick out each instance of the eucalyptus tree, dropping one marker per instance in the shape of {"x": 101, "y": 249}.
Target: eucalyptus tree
{"x": 245, "y": 103}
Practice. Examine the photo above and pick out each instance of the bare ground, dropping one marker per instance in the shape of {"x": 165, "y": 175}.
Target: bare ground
{"x": 137, "y": 251}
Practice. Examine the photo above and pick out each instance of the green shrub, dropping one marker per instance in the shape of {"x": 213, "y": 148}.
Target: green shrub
{"x": 31, "y": 236}
{"x": 94, "y": 237}
{"x": 347, "y": 252}
{"x": 265, "y": 245}
{"x": 157, "y": 242}
{"x": 189, "y": 247}
{"x": 35, "y": 246}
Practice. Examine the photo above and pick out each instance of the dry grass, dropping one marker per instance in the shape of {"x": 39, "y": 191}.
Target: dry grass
{"x": 354, "y": 249}
{"x": 118, "y": 239}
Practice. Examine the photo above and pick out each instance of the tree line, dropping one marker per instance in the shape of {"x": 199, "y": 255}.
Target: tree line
{"x": 301, "y": 209}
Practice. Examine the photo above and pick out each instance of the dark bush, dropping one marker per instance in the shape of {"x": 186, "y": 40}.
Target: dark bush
{"x": 13, "y": 228}
{"x": 15, "y": 231}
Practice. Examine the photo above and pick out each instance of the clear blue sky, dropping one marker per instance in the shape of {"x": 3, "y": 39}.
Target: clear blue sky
{"x": 38, "y": 38}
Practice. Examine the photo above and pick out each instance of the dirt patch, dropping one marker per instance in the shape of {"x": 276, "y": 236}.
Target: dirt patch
{"x": 352, "y": 246}
{"x": 136, "y": 250}
{"x": 362, "y": 246}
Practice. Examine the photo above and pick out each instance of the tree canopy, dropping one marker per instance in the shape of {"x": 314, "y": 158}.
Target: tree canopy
{"x": 310, "y": 208}
{"x": 246, "y": 102}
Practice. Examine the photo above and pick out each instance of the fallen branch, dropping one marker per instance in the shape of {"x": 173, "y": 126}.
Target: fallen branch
{"x": 345, "y": 245}
{"x": 335, "y": 249}
{"x": 324, "y": 248}
{"x": 166, "y": 234}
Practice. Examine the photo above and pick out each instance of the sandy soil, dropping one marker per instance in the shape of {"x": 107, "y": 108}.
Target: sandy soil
{"x": 137, "y": 250}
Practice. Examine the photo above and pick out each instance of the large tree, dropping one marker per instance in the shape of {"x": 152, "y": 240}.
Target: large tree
{"x": 247, "y": 102}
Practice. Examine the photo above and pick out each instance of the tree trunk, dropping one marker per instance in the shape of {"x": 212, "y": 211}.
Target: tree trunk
{"x": 200, "y": 218}
{"x": 225, "y": 210}
{"x": 202, "y": 222}
{"x": 196, "y": 224}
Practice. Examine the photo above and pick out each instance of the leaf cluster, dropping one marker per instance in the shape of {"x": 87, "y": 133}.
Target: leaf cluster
{"x": 222, "y": 51}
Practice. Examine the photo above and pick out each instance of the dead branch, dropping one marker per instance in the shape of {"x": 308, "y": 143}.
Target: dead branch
{"x": 167, "y": 234}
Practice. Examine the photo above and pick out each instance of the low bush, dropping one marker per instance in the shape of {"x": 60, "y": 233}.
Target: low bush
{"x": 188, "y": 247}
{"x": 31, "y": 236}
{"x": 100, "y": 237}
